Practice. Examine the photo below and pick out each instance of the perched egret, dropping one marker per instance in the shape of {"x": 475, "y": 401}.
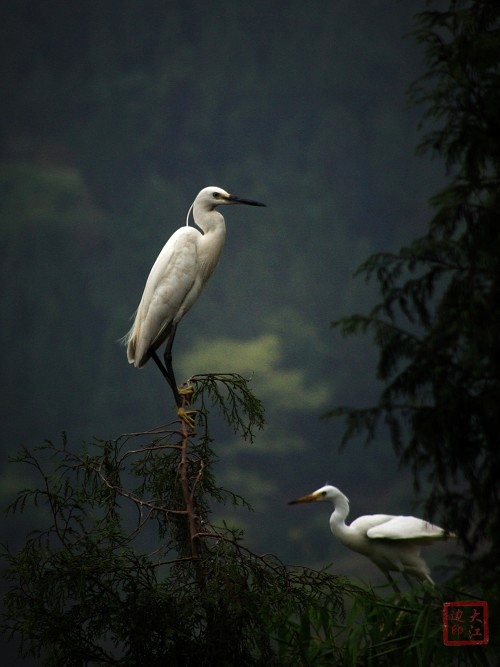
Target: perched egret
{"x": 176, "y": 280}
{"x": 393, "y": 543}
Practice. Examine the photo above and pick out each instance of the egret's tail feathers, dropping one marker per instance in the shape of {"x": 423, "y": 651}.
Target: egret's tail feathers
{"x": 125, "y": 339}
{"x": 131, "y": 351}
{"x": 129, "y": 341}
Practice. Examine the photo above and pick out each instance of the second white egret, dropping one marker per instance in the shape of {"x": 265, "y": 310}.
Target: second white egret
{"x": 393, "y": 543}
{"x": 176, "y": 280}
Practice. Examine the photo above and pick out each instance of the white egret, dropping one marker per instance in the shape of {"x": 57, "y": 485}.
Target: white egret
{"x": 176, "y": 280}
{"x": 393, "y": 543}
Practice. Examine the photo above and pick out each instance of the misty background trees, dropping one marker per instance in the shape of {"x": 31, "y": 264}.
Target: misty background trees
{"x": 437, "y": 326}
{"x": 116, "y": 116}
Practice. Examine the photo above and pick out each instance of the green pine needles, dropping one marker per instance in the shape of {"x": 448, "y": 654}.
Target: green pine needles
{"x": 436, "y": 325}
{"x": 229, "y": 392}
{"x": 126, "y": 566}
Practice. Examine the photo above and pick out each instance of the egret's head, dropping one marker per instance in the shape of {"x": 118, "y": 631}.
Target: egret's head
{"x": 328, "y": 493}
{"x": 213, "y": 196}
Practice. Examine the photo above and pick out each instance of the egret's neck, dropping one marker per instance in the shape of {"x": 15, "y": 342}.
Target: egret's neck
{"x": 209, "y": 221}
{"x": 337, "y": 519}
{"x": 209, "y": 245}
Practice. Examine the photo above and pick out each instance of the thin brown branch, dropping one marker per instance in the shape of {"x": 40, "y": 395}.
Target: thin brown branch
{"x": 187, "y": 492}
{"x": 135, "y": 498}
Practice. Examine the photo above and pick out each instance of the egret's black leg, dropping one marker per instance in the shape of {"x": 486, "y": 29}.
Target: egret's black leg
{"x": 167, "y": 359}
{"x": 408, "y": 580}
{"x": 393, "y": 583}
{"x": 167, "y": 371}
{"x": 167, "y": 377}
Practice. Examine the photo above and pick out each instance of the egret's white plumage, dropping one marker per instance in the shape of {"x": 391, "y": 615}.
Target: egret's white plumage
{"x": 176, "y": 280}
{"x": 393, "y": 543}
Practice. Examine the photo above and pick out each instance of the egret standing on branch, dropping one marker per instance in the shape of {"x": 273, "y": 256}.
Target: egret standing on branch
{"x": 393, "y": 543}
{"x": 175, "y": 282}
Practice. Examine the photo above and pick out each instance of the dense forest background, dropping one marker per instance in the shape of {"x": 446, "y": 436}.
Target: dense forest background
{"x": 114, "y": 116}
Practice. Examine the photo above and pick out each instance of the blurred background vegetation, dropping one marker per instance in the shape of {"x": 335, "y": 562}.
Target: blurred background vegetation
{"x": 114, "y": 116}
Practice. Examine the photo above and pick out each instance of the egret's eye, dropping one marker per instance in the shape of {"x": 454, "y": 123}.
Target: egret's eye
{"x": 216, "y": 195}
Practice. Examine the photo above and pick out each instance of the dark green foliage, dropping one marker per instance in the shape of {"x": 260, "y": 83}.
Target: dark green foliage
{"x": 129, "y": 570}
{"x": 228, "y": 391}
{"x": 437, "y": 325}
{"x": 403, "y": 631}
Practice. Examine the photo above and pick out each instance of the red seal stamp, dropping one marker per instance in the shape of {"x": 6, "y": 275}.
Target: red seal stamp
{"x": 465, "y": 623}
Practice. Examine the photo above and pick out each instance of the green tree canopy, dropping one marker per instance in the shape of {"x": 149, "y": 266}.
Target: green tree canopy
{"x": 437, "y": 325}
{"x": 129, "y": 569}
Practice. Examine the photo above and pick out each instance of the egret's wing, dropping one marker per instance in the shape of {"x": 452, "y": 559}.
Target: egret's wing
{"x": 169, "y": 282}
{"x": 406, "y": 528}
{"x": 364, "y": 524}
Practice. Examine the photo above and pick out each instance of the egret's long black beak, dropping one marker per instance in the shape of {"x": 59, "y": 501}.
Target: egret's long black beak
{"x": 240, "y": 200}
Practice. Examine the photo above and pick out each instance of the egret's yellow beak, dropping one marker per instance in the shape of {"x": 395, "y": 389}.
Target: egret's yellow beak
{"x": 311, "y": 497}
